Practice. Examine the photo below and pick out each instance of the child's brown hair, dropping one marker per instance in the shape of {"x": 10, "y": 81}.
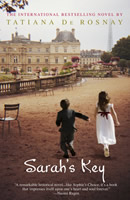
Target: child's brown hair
{"x": 64, "y": 104}
{"x": 103, "y": 100}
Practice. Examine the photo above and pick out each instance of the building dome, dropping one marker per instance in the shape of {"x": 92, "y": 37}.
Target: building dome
{"x": 65, "y": 36}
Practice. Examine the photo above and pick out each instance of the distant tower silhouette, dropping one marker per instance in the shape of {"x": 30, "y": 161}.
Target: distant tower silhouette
{"x": 110, "y": 37}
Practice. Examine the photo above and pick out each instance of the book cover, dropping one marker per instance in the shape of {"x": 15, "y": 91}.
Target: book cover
{"x": 50, "y": 51}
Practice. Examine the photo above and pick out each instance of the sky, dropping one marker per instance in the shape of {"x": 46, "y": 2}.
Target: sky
{"x": 93, "y": 34}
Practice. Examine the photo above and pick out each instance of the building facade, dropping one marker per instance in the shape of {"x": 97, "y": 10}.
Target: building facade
{"x": 90, "y": 57}
{"x": 21, "y": 53}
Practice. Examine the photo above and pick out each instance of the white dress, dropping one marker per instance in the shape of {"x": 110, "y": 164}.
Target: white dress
{"x": 105, "y": 127}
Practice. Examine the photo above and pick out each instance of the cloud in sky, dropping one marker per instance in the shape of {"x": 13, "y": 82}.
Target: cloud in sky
{"x": 92, "y": 34}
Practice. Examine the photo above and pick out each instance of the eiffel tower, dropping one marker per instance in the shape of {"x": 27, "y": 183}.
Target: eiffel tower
{"x": 110, "y": 38}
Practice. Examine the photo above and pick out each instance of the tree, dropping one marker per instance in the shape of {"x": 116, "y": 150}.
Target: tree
{"x": 68, "y": 64}
{"x": 106, "y": 57}
{"x": 128, "y": 63}
{"x": 10, "y": 7}
{"x": 122, "y": 64}
{"x": 45, "y": 69}
{"x": 122, "y": 48}
{"x": 6, "y": 70}
{"x": 21, "y": 70}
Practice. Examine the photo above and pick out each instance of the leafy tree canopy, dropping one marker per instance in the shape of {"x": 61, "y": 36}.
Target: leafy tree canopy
{"x": 68, "y": 64}
{"x": 122, "y": 48}
{"x": 45, "y": 69}
{"x": 122, "y": 63}
{"x": 128, "y": 63}
{"x": 106, "y": 57}
{"x": 6, "y": 70}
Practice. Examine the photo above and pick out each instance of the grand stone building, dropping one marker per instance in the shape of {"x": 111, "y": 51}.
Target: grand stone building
{"x": 89, "y": 57}
{"x": 22, "y": 53}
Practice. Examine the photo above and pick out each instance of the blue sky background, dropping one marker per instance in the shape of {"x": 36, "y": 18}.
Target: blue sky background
{"x": 91, "y": 36}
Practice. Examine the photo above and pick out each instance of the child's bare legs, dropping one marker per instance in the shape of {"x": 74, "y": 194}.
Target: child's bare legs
{"x": 106, "y": 150}
{"x": 106, "y": 146}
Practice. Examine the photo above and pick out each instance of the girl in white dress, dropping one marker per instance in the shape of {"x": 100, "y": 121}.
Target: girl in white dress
{"x": 105, "y": 127}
